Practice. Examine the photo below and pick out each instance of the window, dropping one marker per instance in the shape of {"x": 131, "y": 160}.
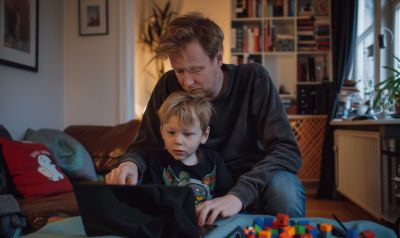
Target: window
{"x": 396, "y": 36}
{"x": 364, "y": 60}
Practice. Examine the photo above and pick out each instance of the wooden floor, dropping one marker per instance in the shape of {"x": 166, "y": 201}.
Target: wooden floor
{"x": 341, "y": 207}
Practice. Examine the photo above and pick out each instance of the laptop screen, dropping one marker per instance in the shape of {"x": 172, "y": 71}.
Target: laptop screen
{"x": 142, "y": 211}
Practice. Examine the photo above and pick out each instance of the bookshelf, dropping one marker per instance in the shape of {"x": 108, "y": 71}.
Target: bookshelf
{"x": 292, "y": 40}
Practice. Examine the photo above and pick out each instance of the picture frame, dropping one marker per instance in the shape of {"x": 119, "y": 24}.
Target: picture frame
{"x": 19, "y": 34}
{"x": 93, "y": 17}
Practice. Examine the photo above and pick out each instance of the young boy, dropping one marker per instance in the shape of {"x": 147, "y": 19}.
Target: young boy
{"x": 184, "y": 125}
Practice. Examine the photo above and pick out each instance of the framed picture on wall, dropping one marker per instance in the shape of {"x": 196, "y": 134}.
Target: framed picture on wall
{"x": 93, "y": 17}
{"x": 19, "y": 34}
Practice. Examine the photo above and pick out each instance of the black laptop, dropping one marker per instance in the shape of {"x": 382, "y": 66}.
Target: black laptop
{"x": 137, "y": 211}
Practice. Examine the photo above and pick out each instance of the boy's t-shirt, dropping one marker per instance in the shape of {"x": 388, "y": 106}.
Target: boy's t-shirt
{"x": 208, "y": 179}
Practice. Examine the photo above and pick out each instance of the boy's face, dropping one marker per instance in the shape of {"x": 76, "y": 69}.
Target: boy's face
{"x": 181, "y": 140}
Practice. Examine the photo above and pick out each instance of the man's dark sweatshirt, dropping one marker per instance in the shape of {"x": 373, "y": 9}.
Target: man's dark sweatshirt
{"x": 250, "y": 129}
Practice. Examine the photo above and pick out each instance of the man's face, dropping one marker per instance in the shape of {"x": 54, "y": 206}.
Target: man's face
{"x": 196, "y": 72}
{"x": 181, "y": 140}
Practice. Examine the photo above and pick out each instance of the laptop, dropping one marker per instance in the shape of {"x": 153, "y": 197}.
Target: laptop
{"x": 138, "y": 211}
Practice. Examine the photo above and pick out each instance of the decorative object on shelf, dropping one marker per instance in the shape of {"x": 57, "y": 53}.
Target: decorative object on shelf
{"x": 388, "y": 91}
{"x": 93, "y": 17}
{"x": 154, "y": 27}
{"x": 19, "y": 34}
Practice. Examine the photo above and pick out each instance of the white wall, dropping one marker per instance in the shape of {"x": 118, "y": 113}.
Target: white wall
{"x": 90, "y": 70}
{"x": 78, "y": 79}
{"x": 35, "y": 100}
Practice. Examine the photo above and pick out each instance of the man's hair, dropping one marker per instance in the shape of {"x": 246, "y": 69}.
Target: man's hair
{"x": 186, "y": 107}
{"x": 187, "y": 28}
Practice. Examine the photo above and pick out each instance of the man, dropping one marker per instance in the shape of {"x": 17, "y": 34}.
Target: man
{"x": 250, "y": 127}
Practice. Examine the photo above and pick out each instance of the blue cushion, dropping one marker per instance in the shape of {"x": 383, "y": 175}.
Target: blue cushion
{"x": 70, "y": 154}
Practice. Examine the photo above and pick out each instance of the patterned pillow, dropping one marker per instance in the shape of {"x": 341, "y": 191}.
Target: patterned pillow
{"x": 33, "y": 169}
{"x": 70, "y": 154}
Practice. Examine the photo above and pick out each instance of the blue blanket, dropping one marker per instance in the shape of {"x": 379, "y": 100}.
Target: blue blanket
{"x": 73, "y": 227}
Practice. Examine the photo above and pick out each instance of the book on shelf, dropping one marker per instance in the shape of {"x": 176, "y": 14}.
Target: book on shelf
{"x": 321, "y": 7}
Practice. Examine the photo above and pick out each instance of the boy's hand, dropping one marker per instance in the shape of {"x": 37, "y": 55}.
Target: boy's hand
{"x": 125, "y": 173}
{"x": 225, "y": 206}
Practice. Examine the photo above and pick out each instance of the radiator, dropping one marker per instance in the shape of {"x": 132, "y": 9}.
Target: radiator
{"x": 358, "y": 168}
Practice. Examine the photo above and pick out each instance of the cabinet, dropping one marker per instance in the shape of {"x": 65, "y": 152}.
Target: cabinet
{"x": 290, "y": 38}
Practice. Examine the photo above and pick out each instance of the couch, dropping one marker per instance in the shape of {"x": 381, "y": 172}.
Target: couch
{"x": 105, "y": 145}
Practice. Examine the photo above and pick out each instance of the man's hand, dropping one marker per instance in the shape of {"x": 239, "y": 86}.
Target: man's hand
{"x": 225, "y": 206}
{"x": 125, "y": 173}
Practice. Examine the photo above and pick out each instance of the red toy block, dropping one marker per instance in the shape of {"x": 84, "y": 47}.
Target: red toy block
{"x": 282, "y": 219}
{"x": 367, "y": 234}
{"x": 284, "y": 235}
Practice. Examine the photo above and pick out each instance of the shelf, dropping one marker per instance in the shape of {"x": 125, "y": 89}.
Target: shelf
{"x": 291, "y": 39}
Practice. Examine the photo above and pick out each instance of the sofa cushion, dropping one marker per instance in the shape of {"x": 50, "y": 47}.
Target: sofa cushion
{"x": 4, "y": 133}
{"x": 70, "y": 154}
{"x": 33, "y": 169}
{"x": 105, "y": 143}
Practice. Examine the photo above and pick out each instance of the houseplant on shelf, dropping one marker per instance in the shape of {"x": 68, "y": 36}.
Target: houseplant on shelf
{"x": 388, "y": 91}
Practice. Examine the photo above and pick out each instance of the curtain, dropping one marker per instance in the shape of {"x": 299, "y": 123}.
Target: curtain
{"x": 344, "y": 30}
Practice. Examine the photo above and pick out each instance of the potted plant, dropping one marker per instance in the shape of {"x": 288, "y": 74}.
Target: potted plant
{"x": 388, "y": 91}
{"x": 154, "y": 27}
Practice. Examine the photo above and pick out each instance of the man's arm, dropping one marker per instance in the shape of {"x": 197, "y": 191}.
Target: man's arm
{"x": 274, "y": 135}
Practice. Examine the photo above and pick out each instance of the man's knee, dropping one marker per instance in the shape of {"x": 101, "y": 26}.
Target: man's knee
{"x": 284, "y": 194}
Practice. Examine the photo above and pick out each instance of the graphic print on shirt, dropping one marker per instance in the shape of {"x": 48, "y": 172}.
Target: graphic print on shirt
{"x": 202, "y": 190}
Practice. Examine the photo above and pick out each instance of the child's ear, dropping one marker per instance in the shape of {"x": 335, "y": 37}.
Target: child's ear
{"x": 205, "y": 135}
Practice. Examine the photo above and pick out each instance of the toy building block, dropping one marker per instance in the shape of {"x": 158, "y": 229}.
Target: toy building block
{"x": 268, "y": 221}
{"x": 290, "y": 230}
{"x": 325, "y": 230}
{"x": 282, "y": 219}
{"x": 325, "y": 227}
{"x": 257, "y": 229}
{"x": 306, "y": 235}
{"x": 367, "y": 234}
{"x": 350, "y": 233}
{"x": 259, "y": 221}
{"x": 300, "y": 229}
{"x": 284, "y": 235}
{"x": 265, "y": 234}
{"x": 303, "y": 222}
{"x": 309, "y": 228}
{"x": 273, "y": 231}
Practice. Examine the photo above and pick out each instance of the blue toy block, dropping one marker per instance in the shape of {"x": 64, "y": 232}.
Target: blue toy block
{"x": 259, "y": 221}
{"x": 351, "y": 233}
{"x": 268, "y": 221}
{"x": 303, "y": 222}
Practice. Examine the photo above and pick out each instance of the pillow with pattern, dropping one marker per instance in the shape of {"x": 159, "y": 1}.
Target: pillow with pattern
{"x": 33, "y": 169}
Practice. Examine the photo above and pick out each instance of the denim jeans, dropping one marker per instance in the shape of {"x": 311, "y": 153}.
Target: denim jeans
{"x": 284, "y": 194}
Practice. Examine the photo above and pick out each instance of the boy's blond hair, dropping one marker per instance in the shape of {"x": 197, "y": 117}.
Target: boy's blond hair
{"x": 187, "y": 107}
